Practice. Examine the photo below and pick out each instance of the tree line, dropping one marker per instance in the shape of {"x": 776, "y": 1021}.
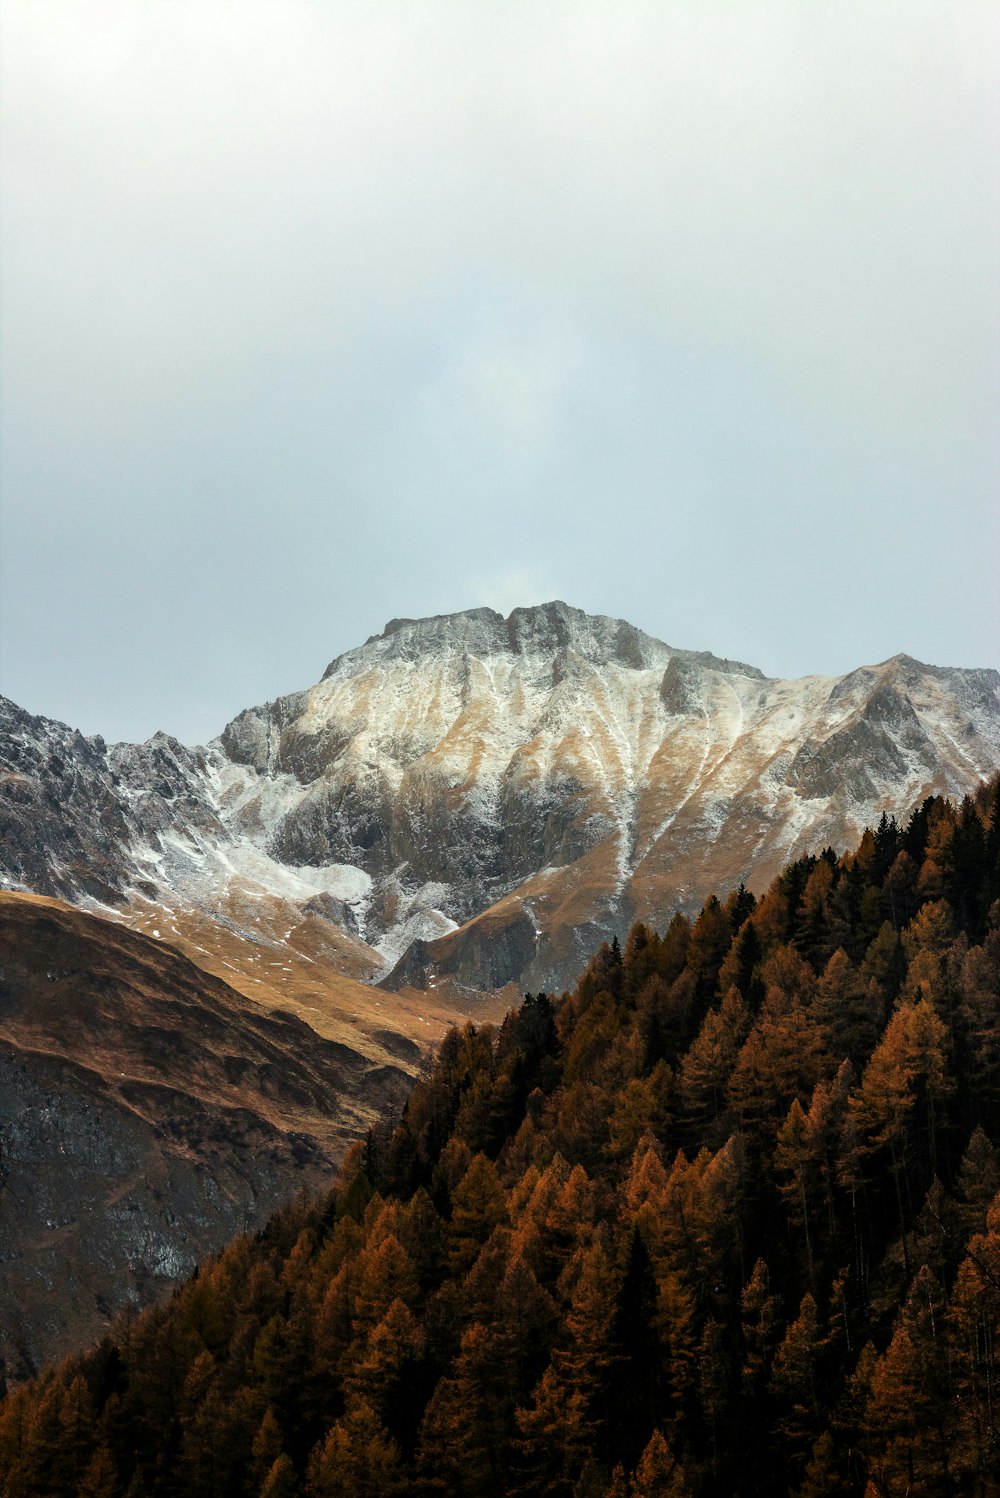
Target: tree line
{"x": 723, "y": 1219}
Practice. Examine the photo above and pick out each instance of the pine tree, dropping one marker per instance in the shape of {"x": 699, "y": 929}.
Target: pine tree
{"x": 100, "y": 1480}
{"x": 386, "y": 1375}
{"x": 761, "y": 1325}
{"x": 555, "y": 1438}
{"x": 707, "y": 947}
{"x": 849, "y": 1010}
{"x": 268, "y": 1445}
{"x": 907, "y": 1067}
{"x": 978, "y": 1181}
{"x": 979, "y": 1019}
{"x": 467, "y": 1436}
{"x": 974, "y": 1346}
{"x": 659, "y": 1474}
{"x": 584, "y": 1362}
{"x": 741, "y": 968}
{"x": 357, "y": 1459}
{"x": 478, "y": 1206}
{"x": 383, "y": 1274}
{"x": 909, "y": 1424}
{"x": 782, "y": 1058}
{"x": 794, "y": 1384}
{"x": 280, "y": 1481}
{"x": 823, "y": 1477}
{"x": 805, "y": 1159}
{"x": 706, "y": 1068}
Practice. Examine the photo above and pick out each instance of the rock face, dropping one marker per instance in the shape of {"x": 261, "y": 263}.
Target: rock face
{"x": 468, "y": 800}
{"x": 147, "y": 1114}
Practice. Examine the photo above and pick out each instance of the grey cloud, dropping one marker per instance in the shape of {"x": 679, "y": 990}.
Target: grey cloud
{"x": 316, "y": 314}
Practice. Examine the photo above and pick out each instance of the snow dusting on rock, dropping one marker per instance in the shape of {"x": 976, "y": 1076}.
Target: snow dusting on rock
{"x": 564, "y": 771}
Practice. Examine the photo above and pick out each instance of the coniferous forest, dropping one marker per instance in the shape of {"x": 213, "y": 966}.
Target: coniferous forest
{"x": 723, "y": 1220}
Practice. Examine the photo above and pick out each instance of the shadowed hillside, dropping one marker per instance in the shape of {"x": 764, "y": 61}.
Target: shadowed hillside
{"x": 147, "y": 1113}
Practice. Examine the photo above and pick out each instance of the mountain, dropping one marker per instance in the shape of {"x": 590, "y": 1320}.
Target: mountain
{"x": 149, "y": 1113}
{"x": 468, "y": 802}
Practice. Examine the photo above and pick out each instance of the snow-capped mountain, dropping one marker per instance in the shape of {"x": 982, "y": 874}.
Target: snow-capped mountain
{"x": 468, "y": 800}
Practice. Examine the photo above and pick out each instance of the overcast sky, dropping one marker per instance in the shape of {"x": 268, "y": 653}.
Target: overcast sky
{"x": 316, "y": 313}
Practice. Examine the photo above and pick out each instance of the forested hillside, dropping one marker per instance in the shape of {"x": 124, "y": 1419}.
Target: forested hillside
{"x": 725, "y": 1219}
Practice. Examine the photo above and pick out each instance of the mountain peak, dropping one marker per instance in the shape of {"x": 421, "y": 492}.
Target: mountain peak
{"x": 484, "y": 616}
{"x": 539, "y": 629}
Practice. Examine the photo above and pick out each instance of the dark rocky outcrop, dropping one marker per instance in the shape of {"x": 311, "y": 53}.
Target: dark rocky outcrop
{"x": 488, "y": 953}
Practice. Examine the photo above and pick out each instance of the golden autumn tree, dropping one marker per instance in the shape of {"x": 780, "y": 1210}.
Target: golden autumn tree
{"x": 909, "y": 1423}
{"x": 357, "y": 1459}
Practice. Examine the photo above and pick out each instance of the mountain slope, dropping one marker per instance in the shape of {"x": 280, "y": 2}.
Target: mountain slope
{"x": 466, "y": 802}
{"x": 148, "y": 1113}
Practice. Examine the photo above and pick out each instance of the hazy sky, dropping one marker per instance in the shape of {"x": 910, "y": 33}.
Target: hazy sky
{"x": 316, "y": 313}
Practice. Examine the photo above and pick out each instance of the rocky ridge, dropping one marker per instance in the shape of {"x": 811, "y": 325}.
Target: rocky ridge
{"x": 469, "y": 801}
